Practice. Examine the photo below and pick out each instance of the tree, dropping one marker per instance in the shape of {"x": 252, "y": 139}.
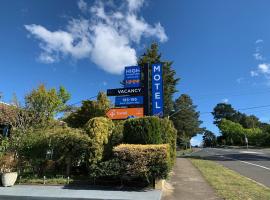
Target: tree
{"x": 186, "y": 119}
{"x": 209, "y": 139}
{"x": 249, "y": 121}
{"x": 151, "y": 56}
{"x": 44, "y": 103}
{"x": 224, "y": 111}
{"x": 89, "y": 110}
{"x": 234, "y": 133}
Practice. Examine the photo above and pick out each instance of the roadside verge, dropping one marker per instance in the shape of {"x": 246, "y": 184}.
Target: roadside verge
{"x": 230, "y": 184}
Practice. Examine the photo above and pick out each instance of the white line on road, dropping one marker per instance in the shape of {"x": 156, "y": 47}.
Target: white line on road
{"x": 249, "y": 163}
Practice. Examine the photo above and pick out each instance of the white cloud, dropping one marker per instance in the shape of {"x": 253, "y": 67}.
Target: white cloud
{"x": 82, "y": 5}
{"x": 134, "y": 5}
{"x": 117, "y": 53}
{"x": 225, "y": 100}
{"x": 259, "y": 41}
{"x": 264, "y": 68}
{"x": 45, "y": 58}
{"x": 108, "y": 36}
{"x": 258, "y": 56}
{"x": 254, "y": 73}
{"x": 240, "y": 80}
{"x": 55, "y": 42}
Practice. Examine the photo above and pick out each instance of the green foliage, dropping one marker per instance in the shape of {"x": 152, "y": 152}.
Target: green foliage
{"x": 209, "y": 139}
{"x": 226, "y": 111}
{"x": 69, "y": 145}
{"x": 143, "y": 161}
{"x": 44, "y": 103}
{"x": 89, "y": 110}
{"x": 168, "y": 135}
{"x": 186, "y": 119}
{"x": 112, "y": 168}
{"x": 4, "y": 145}
{"x": 151, "y": 56}
{"x": 99, "y": 130}
{"x": 234, "y": 133}
{"x": 151, "y": 130}
{"x": 33, "y": 146}
{"x": 146, "y": 130}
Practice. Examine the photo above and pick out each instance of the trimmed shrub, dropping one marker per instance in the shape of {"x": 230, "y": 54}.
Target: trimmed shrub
{"x": 99, "y": 130}
{"x": 146, "y": 130}
{"x": 169, "y": 135}
{"x": 143, "y": 161}
{"x": 151, "y": 130}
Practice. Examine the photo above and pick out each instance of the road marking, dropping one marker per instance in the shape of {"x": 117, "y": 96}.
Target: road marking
{"x": 251, "y": 152}
{"x": 249, "y": 163}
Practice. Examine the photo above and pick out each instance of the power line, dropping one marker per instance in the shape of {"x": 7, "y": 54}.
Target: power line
{"x": 83, "y": 100}
{"x": 247, "y": 108}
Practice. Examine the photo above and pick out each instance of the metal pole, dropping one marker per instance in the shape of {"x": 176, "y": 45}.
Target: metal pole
{"x": 146, "y": 89}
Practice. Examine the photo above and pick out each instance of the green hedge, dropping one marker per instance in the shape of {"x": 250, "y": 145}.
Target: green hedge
{"x": 151, "y": 130}
{"x": 145, "y": 130}
{"x": 143, "y": 161}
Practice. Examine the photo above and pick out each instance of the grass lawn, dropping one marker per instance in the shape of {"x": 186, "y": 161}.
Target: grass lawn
{"x": 229, "y": 184}
{"x": 49, "y": 181}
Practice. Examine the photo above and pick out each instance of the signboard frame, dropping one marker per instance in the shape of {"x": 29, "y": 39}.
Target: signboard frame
{"x": 133, "y": 91}
{"x": 132, "y": 76}
{"x": 124, "y": 113}
{"x": 128, "y": 100}
{"x": 157, "y": 90}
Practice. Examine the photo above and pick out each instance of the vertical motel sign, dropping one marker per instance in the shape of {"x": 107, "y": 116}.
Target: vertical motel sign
{"x": 157, "y": 90}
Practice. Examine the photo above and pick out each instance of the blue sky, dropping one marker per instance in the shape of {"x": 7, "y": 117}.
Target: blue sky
{"x": 220, "y": 48}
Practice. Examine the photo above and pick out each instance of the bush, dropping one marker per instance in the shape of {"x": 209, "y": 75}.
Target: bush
{"x": 99, "y": 130}
{"x": 143, "y": 161}
{"x": 65, "y": 146}
{"x": 169, "y": 135}
{"x": 70, "y": 146}
{"x": 151, "y": 130}
{"x": 146, "y": 130}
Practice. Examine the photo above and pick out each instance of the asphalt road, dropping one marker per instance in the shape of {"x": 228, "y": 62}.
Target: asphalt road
{"x": 252, "y": 163}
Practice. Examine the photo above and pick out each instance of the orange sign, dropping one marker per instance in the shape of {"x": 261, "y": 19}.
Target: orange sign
{"x": 124, "y": 113}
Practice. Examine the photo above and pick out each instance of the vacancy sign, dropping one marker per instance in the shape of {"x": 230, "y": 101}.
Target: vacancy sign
{"x": 125, "y": 91}
{"x": 157, "y": 90}
{"x": 124, "y": 113}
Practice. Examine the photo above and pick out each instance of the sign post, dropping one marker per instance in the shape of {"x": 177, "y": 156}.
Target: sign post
{"x": 146, "y": 80}
{"x": 157, "y": 90}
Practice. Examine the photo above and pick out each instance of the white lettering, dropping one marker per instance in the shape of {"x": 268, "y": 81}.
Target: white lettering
{"x": 156, "y": 77}
{"x": 157, "y": 106}
{"x": 157, "y": 95}
{"x": 157, "y": 84}
{"x": 156, "y": 68}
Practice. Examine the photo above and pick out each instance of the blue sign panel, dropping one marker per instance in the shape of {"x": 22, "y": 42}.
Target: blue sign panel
{"x": 128, "y": 100}
{"x": 157, "y": 90}
{"x": 132, "y": 76}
